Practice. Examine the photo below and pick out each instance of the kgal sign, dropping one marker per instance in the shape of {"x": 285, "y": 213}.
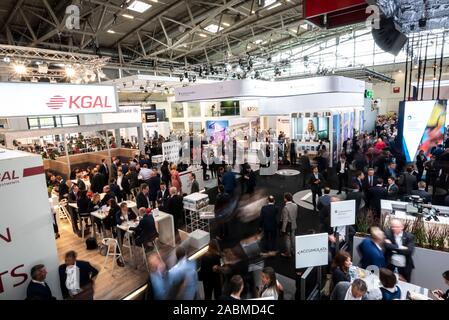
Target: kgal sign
{"x": 26, "y": 99}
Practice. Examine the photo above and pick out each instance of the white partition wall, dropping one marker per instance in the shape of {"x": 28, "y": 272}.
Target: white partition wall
{"x": 26, "y": 225}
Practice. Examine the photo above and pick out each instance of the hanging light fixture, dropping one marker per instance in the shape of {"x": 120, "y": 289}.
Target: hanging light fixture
{"x": 20, "y": 68}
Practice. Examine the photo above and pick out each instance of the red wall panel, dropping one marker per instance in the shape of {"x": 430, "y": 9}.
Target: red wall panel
{"x": 319, "y": 7}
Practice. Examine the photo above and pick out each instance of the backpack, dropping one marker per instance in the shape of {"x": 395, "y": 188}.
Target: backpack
{"x": 91, "y": 243}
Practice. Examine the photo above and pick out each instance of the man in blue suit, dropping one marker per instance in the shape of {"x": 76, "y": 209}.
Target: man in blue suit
{"x": 371, "y": 249}
{"x": 183, "y": 277}
{"x": 229, "y": 181}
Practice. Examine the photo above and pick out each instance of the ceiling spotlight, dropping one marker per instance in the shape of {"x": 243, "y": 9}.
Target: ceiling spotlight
{"x": 6, "y": 59}
{"x": 70, "y": 72}
{"x": 20, "y": 68}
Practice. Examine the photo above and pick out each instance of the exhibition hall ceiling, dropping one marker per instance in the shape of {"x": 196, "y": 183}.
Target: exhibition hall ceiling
{"x": 162, "y": 35}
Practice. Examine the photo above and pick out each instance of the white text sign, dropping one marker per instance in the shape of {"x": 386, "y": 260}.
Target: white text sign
{"x": 342, "y": 213}
{"x": 33, "y": 99}
{"x": 311, "y": 250}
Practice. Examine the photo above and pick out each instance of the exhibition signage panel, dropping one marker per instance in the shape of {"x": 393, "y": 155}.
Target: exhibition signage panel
{"x": 26, "y": 225}
{"x": 33, "y": 99}
{"x": 342, "y": 213}
{"x": 421, "y": 126}
{"x": 311, "y": 250}
{"x": 123, "y": 114}
{"x": 258, "y": 89}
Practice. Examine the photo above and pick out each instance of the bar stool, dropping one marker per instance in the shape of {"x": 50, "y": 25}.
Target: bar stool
{"x": 129, "y": 245}
{"x": 113, "y": 251}
{"x": 144, "y": 254}
{"x": 84, "y": 219}
{"x": 62, "y": 210}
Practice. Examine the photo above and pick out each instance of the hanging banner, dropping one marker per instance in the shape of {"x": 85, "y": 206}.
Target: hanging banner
{"x": 342, "y": 213}
{"x": 311, "y": 250}
{"x": 34, "y": 99}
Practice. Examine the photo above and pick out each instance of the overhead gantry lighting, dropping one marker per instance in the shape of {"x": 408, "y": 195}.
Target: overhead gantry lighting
{"x": 139, "y": 6}
{"x": 20, "y": 68}
{"x": 213, "y": 28}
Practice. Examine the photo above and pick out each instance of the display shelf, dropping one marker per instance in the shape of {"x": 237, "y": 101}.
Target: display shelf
{"x": 197, "y": 208}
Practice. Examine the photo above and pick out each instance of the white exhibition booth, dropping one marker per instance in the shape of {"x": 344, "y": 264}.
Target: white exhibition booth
{"x": 337, "y": 101}
{"x": 26, "y": 225}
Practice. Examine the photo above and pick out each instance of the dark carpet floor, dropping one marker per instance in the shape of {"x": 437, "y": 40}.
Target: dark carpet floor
{"x": 242, "y": 223}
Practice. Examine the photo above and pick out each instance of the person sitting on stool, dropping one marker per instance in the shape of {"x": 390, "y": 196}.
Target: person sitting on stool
{"x": 146, "y": 229}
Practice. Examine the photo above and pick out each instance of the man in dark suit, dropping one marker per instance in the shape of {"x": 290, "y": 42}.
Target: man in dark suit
{"x": 293, "y": 152}
{"x": 358, "y": 179}
{"x": 154, "y": 184}
{"x": 236, "y": 286}
{"x": 392, "y": 189}
{"x": 422, "y": 193}
{"x": 146, "y": 229}
{"x": 175, "y": 207}
{"x": 104, "y": 170}
{"x": 195, "y": 187}
{"x": 268, "y": 225}
{"x": 407, "y": 181}
{"x": 162, "y": 197}
{"x": 324, "y": 200}
{"x": 114, "y": 167}
{"x": 64, "y": 188}
{"x": 305, "y": 167}
{"x": 420, "y": 160}
{"x": 76, "y": 278}
{"x": 109, "y": 194}
{"x": 342, "y": 172}
{"x": 97, "y": 182}
{"x": 399, "y": 246}
{"x": 79, "y": 181}
{"x": 38, "y": 289}
{"x": 222, "y": 198}
{"x": 375, "y": 194}
{"x": 316, "y": 183}
{"x": 143, "y": 198}
{"x": 357, "y": 195}
{"x": 369, "y": 181}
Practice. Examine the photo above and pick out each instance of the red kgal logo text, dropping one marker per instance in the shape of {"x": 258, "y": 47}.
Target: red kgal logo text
{"x": 79, "y": 102}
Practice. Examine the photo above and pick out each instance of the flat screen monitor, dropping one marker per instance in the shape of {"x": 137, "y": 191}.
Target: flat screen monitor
{"x": 311, "y": 128}
{"x": 217, "y": 129}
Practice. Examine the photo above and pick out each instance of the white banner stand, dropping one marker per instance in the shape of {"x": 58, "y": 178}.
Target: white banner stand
{"x": 342, "y": 215}
{"x": 26, "y": 225}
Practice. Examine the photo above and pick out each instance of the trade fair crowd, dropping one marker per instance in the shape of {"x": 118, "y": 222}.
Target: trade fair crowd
{"x": 369, "y": 168}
